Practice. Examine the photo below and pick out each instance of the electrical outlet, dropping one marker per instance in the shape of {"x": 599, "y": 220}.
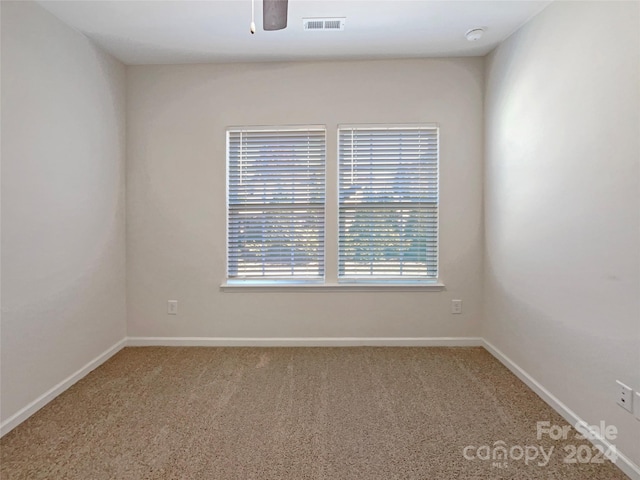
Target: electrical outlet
{"x": 624, "y": 396}
{"x": 172, "y": 307}
{"x": 636, "y": 405}
{"x": 456, "y": 306}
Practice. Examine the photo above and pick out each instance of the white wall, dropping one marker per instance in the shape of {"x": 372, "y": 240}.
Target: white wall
{"x": 562, "y": 207}
{"x": 176, "y": 120}
{"x": 63, "y": 246}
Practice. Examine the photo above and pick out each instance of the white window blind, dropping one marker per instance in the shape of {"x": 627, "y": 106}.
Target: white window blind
{"x": 275, "y": 198}
{"x": 388, "y": 203}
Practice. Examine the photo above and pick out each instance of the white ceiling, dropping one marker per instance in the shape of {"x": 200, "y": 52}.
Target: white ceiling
{"x": 184, "y": 31}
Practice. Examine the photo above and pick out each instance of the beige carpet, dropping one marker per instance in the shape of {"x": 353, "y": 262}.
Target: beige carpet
{"x": 292, "y": 413}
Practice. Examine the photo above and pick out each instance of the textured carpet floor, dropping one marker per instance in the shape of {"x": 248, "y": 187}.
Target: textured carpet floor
{"x": 293, "y": 413}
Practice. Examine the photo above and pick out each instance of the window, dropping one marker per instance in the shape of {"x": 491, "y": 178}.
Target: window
{"x": 275, "y": 203}
{"x": 382, "y": 224}
{"x": 388, "y": 203}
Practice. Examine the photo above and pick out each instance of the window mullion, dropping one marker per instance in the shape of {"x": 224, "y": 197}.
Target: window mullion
{"x": 331, "y": 211}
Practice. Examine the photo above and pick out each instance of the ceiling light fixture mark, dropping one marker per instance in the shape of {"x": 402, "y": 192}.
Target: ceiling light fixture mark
{"x": 474, "y": 34}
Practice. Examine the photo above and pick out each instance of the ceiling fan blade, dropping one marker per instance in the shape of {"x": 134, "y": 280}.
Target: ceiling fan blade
{"x": 274, "y": 14}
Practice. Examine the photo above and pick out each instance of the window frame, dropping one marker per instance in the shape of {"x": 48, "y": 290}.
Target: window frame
{"x": 380, "y": 279}
{"x": 330, "y": 281}
{"x": 272, "y": 281}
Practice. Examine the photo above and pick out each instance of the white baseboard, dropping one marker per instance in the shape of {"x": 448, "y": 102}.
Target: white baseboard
{"x": 24, "y": 413}
{"x": 623, "y": 463}
{"x": 305, "y": 342}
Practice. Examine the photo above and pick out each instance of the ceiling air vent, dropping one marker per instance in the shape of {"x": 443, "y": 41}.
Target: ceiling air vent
{"x": 323, "y": 23}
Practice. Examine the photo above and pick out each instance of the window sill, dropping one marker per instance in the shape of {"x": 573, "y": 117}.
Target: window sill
{"x": 331, "y": 287}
